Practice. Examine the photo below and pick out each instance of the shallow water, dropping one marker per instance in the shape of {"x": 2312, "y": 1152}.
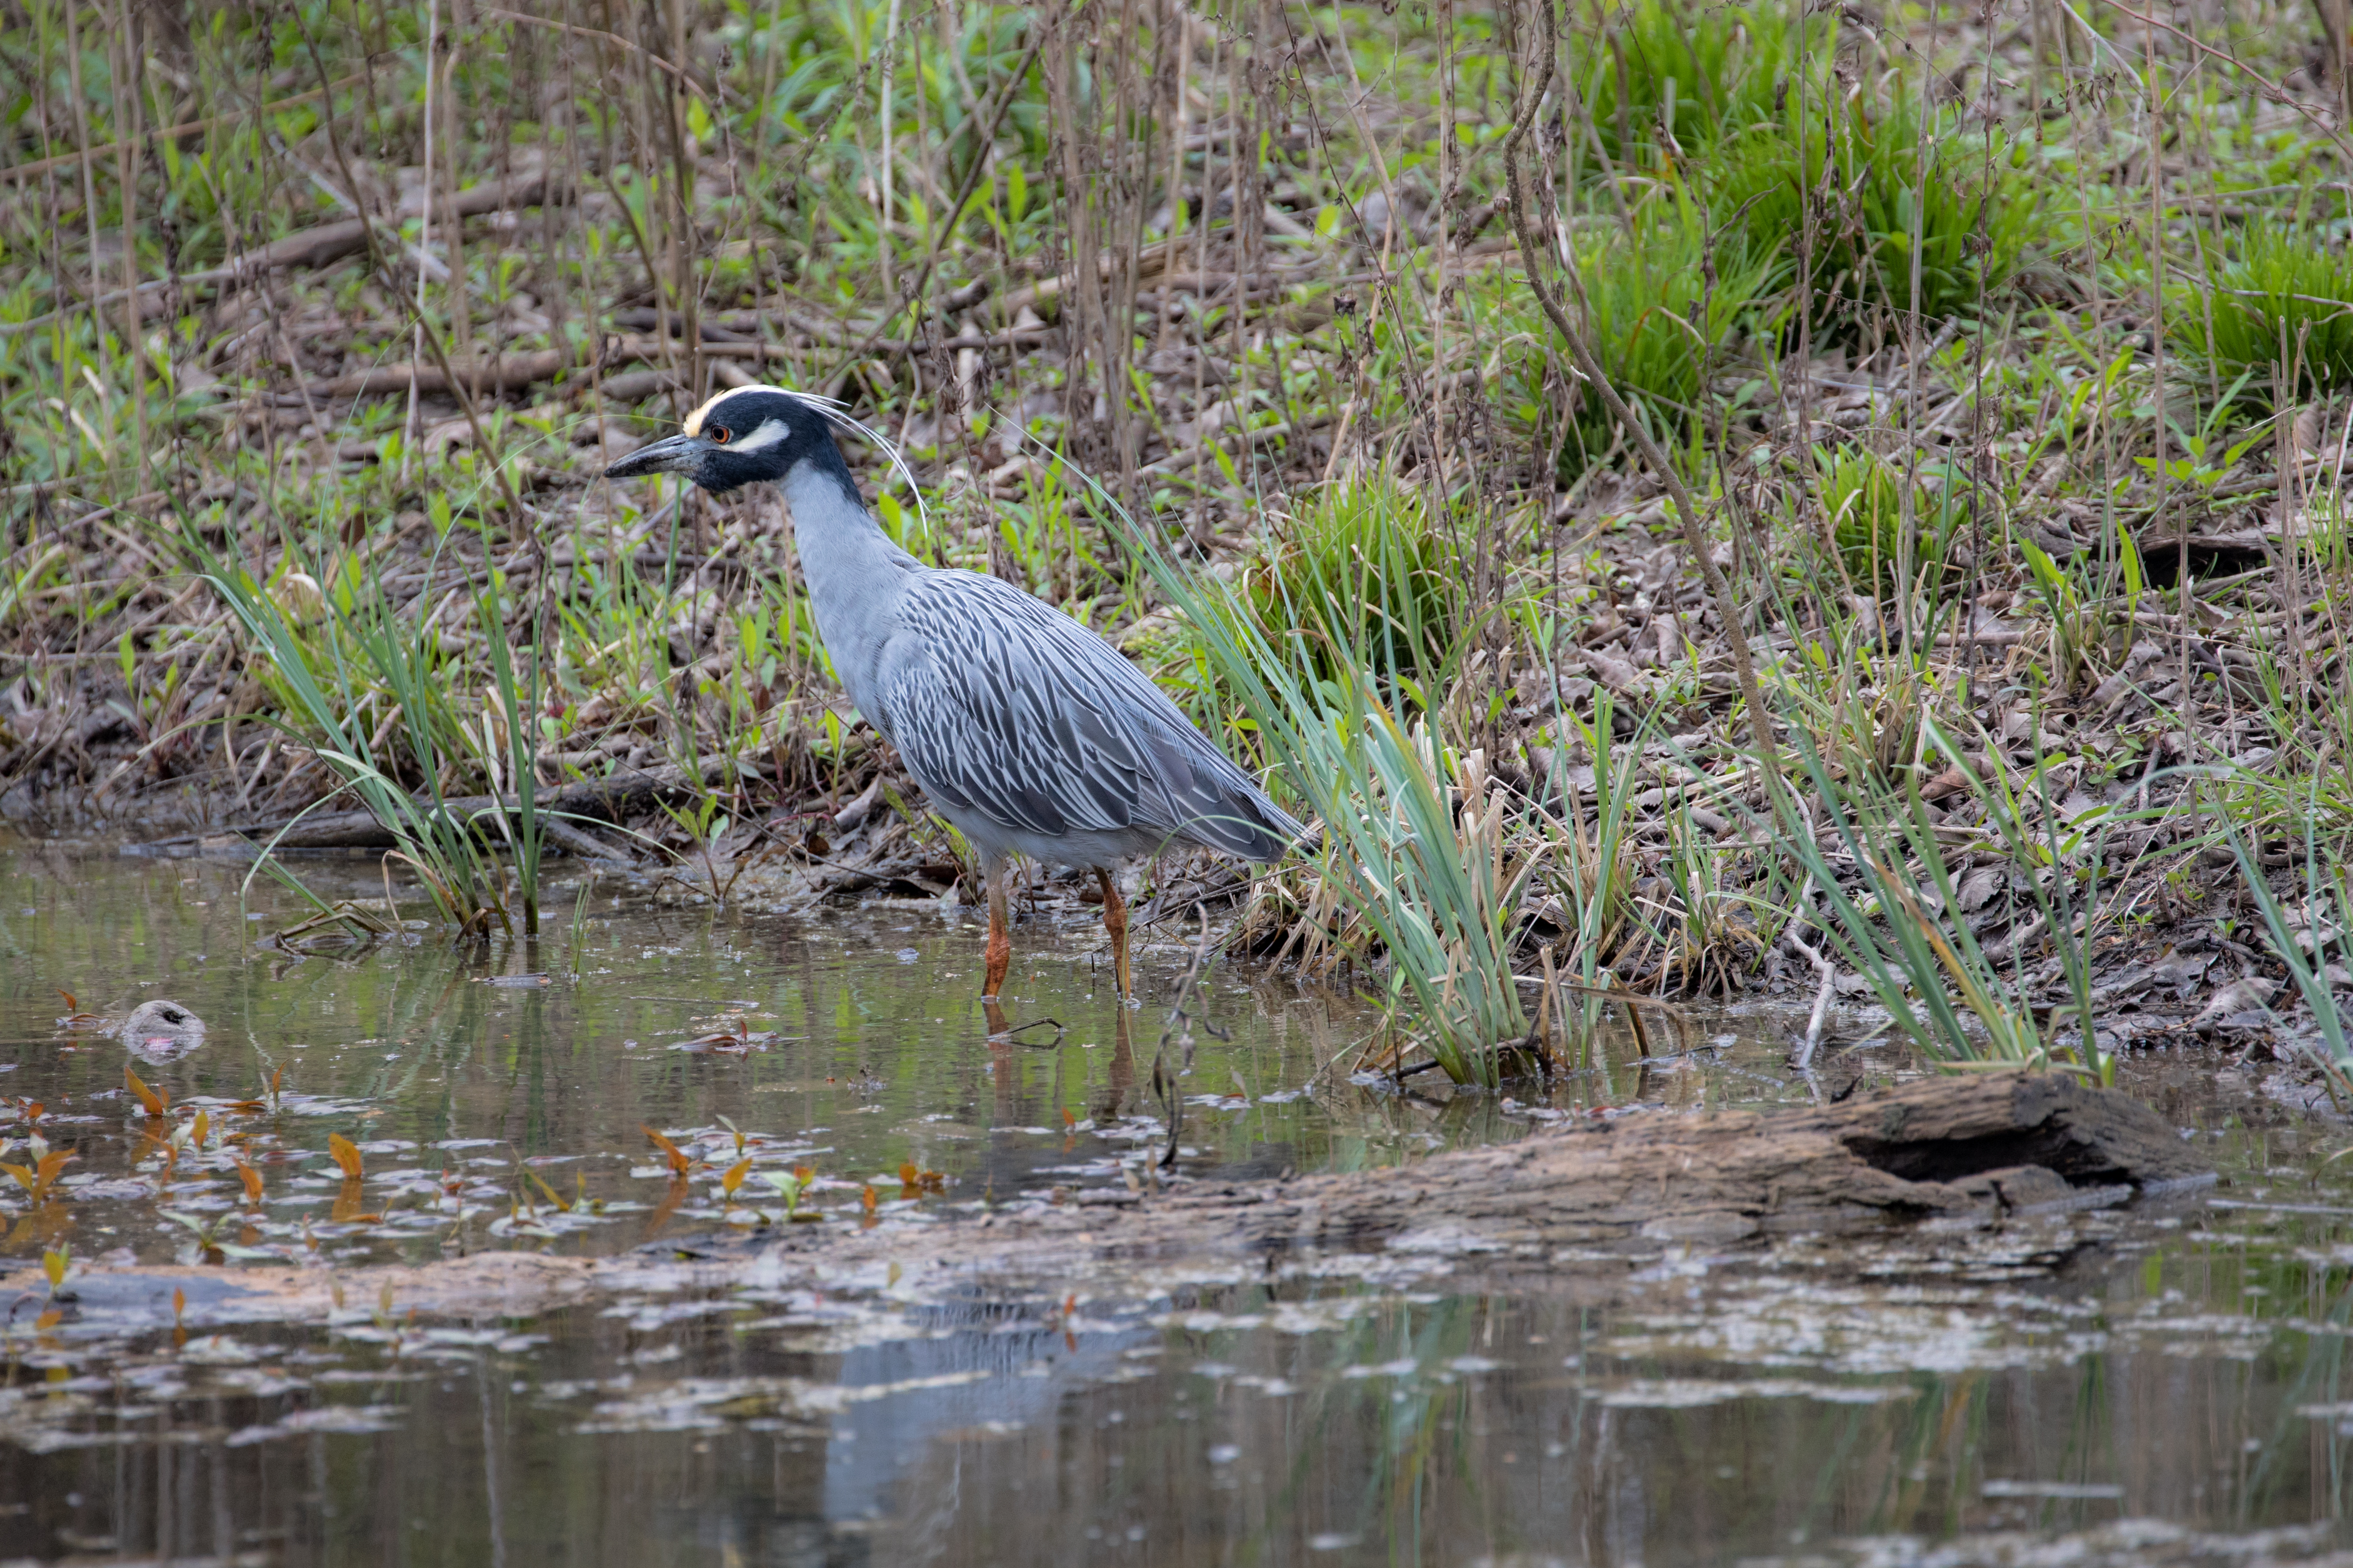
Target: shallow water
{"x": 2170, "y": 1389}
{"x": 850, "y": 1047}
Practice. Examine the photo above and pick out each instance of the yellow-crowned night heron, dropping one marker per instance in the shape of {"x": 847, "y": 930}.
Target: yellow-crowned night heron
{"x": 1028, "y": 731}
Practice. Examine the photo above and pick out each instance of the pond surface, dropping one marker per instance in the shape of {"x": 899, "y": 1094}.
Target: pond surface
{"x": 2168, "y": 1387}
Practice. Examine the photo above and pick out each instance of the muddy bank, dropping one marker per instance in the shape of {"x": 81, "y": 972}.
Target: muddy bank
{"x": 1941, "y": 1164}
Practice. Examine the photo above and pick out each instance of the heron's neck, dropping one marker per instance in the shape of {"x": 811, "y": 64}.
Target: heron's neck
{"x": 853, "y": 570}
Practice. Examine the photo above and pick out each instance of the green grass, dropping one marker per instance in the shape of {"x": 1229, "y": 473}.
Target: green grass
{"x": 1415, "y": 845}
{"x": 1428, "y": 607}
{"x": 1361, "y": 577}
{"x": 2283, "y": 309}
{"x": 2301, "y": 936}
{"x": 1884, "y": 544}
{"x": 1666, "y": 79}
{"x": 1885, "y": 185}
{"x": 1665, "y": 300}
{"x": 325, "y": 663}
{"x": 1895, "y": 919}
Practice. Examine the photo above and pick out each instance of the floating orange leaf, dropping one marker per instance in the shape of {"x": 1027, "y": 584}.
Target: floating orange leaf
{"x": 1068, "y": 1120}
{"x": 907, "y": 1175}
{"x": 202, "y": 1131}
{"x": 48, "y": 1321}
{"x": 540, "y": 1181}
{"x": 37, "y": 1177}
{"x": 153, "y": 1104}
{"x": 804, "y": 1174}
{"x": 252, "y": 1180}
{"x": 346, "y": 1153}
{"x": 179, "y": 1305}
{"x": 866, "y": 1198}
{"x": 72, "y": 1006}
{"x": 673, "y": 1155}
{"x": 53, "y": 1263}
{"x": 734, "y": 1175}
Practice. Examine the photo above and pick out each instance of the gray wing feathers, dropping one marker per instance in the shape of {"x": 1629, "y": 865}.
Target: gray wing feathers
{"x": 1002, "y": 705}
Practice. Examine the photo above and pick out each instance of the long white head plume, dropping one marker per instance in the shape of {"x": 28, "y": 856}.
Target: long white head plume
{"x": 836, "y": 411}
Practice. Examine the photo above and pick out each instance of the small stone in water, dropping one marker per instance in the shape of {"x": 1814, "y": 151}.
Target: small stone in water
{"x": 908, "y": 955}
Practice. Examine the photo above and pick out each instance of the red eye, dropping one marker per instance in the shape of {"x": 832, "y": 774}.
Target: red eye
{"x": 721, "y": 434}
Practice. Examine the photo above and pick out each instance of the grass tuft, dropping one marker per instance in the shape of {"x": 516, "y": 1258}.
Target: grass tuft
{"x": 1663, "y": 303}
{"x": 1362, "y": 578}
{"x": 2282, "y": 309}
{"x": 1882, "y": 182}
{"x": 1664, "y": 81}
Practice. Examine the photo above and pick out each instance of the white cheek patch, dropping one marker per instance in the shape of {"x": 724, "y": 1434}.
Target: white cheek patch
{"x": 771, "y": 433}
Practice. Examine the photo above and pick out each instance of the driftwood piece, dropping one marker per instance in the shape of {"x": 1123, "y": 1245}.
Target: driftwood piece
{"x": 1565, "y": 1211}
{"x": 609, "y": 799}
{"x": 1972, "y": 1148}
{"x": 506, "y": 373}
{"x": 327, "y": 242}
{"x": 513, "y": 371}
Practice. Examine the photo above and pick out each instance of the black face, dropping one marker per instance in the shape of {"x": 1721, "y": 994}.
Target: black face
{"x": 740, "y": 438}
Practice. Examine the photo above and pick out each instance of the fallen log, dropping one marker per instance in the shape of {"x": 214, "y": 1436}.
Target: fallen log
{"x": 326, "y": 242}
{"x": 507, "y": 372}
{"x": 609, "y": 799}
{"x": 1565, "y": 1209}
{"x": 1973, "y": 1148}
{"x": 314, "y": 247}
{"x": 185, "y": 131}
{"x": 513, "y": 371}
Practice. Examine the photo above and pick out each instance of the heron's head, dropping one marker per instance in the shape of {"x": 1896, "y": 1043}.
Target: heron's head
{"x": 743, "y": 436}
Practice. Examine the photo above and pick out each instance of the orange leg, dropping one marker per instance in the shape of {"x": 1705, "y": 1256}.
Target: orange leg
{"x": 1000, "y": 934}
{"x": 1115, "y": 927}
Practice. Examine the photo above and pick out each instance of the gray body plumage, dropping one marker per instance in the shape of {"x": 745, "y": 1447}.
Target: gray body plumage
{"x": 1027, "y": 731}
